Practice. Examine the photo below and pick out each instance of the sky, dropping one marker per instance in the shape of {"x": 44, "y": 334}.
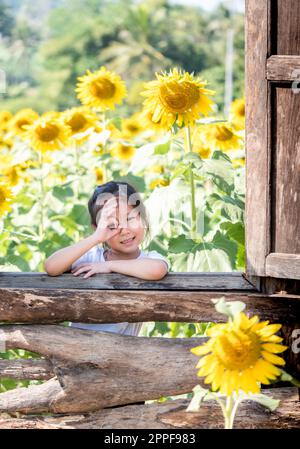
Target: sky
{"x": 211, "y": 4}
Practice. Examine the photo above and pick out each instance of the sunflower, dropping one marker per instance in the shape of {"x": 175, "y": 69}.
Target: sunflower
{"x": 236, "y": 163}
{"x": 11, "y": 175}
{"x": 101, "y": 89}
{"x": 132, "y": 126}
{"x": 200, "y": 146}
{"x": 240, "y": 355}
{"x": 80, "y": 120}
{"x": 156, "y": 169}
{"x": 158, "y": 183}
{"x": 148, "y": 123}
{"x": 48, "y": 133}
{"x": 100, "y": 175}
{"x": 221, "y": 136}
{"x": 5, "y": 140}
{"x": 204, "y": 151}
{"x": 123, "y": 151}
{"x": 237, "y": 113}
{"x": 21, "y": 120}
{"x": 5, "y": 117}
{"x": 115, "y": 133}
{"x": 177, "y": 97}
{"x": 5, "y": 198}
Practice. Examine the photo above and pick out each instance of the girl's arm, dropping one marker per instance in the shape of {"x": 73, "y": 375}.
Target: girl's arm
{"x": 61, "y": 261}
{"x": 145, "y": 268}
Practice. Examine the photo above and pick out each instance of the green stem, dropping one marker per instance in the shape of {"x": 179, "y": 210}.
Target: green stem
{"x": 181, "y": 222}
{"x": 234, "y": 410}
{"x": 188, "y": 148}
{"x": 42, "y": 196}
{"x": 105, "y": 146}
{"x": 230, "y": 410}
{"x": 76, "y": 184}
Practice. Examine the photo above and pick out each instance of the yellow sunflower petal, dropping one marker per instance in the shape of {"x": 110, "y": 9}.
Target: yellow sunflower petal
{"x": 272, "y": 358}
{"x": 201, "y": 350}
{"x": 269, "y": 330}
{"x": 271, "y": 347}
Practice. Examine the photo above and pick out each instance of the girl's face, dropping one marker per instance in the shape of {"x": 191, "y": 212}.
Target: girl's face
{"x": 131, "y": 228}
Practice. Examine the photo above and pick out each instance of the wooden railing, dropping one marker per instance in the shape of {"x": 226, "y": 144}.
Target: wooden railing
{"x": 86, "y": 372}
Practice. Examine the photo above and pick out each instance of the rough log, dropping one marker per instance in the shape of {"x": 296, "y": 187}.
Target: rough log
{"x": 99, "y": 369}
{"x": 26, "y": 369}
{"x": 115, "y": 281}
{"x": 171, "y": 415}
{"x": 105, "y": 306}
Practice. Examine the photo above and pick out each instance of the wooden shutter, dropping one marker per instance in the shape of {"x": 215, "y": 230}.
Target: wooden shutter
{"x": 273, "y": 138}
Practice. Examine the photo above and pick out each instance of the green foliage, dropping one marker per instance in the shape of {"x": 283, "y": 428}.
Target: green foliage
{"x": 135, "y": 39}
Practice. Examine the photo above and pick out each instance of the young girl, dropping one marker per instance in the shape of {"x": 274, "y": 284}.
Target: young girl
{"x": 119, "y": 219}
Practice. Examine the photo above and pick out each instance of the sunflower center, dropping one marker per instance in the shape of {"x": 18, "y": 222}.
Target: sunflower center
{"x": 77, "y": 122}
{"x": 22, "y": 122}
{"x": 133, "y": 128}
{"x": 102, "y": 88}
{"x": 179, "y": 97}
{"x": 223, "y": 133}
{"x": 238, "y": 349}
{"x": 47, "y": 132}
{"x": 241, "y": 110}
{"x": 2, "y": 196}
{"x": 125, "y": 149}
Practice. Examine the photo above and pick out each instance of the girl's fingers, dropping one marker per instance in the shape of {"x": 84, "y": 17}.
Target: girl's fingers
{"x": 82, "y": 270}
{"x": 90, "y": 273}
{"x": 109, "y": 205}
{"x": 80, "y": 266}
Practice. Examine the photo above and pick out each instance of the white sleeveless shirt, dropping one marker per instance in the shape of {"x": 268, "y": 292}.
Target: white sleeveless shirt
{"x": 95, "y": 255}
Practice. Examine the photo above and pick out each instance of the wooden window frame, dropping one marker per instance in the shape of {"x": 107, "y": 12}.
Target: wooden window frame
{"x": 263, "y": 70}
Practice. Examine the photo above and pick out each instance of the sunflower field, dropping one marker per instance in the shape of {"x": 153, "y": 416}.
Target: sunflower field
{"x": 185, "y": 160}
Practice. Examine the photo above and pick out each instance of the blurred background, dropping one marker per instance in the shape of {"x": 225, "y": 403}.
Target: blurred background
{"x": 45, "y": 45}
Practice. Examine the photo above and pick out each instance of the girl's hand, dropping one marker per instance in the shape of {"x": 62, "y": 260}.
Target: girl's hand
{"x": 108, "y": 224}
{"x": 91, "y": 268}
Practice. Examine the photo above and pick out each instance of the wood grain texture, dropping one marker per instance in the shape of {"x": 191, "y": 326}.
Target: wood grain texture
{"x": 286, "y": 174}
{"x": 91, "y": 306}
{"x": 26, "y": 369}
{"x": 172, "y": 415}
{"x": 257, "y": 136}
{"x": 288, "y": 27}
{"x": 281, "y": 265}
{"x": 113, "y": 281}
{"x": 99, "y": 369}
{"x": 283, "y": 68}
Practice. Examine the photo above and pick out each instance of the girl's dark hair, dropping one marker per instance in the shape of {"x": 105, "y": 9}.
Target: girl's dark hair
{"x": 117, "y": 188}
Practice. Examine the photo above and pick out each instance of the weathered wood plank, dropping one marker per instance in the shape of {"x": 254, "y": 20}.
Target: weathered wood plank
{"x": 26, "y": 369}
{"x": 113, "y": 281}
{"x": 101, "y": 306}
{"x": 172, "y": 415}
{"x": 286, "y": 176}
{"x": 257, "y": 136}
{"x": 283, "y": 68}
{"x": 288, "y": 27}
{"x": 281, "y": 265}
{"x": 99, "y": 369}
